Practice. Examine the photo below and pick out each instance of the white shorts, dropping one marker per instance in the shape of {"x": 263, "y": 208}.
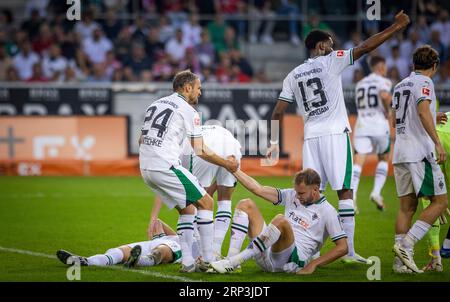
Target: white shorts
{"x": 372, "y": 144}
{"x": 207, "y": 172}
{"x": 170, "y": 241}
{"x": 176, "y": 187}
{"x": 332, "y": 157}
{"x": 274, "y": 262}
{"x": 422, "y": 178}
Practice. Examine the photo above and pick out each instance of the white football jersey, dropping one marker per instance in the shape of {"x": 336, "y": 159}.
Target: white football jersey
{"x": 218, "y": 139}
{"x": 312, "y": 224}
{"x": 412, "y": 143}
{"x": 316, "y": 86}
{"x": 168, "y": 122}
{"x": 372, "y": 119}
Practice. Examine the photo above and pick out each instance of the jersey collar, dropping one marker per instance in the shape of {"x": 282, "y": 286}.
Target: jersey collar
{"x": 181, "y": 96}
{"x": 318, "y": 201}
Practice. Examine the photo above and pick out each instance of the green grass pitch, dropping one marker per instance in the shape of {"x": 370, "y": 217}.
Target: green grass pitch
{"x": 88, "y": 215}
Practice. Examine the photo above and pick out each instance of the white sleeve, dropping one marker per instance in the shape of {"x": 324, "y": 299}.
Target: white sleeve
{"x": 286, "y": 93}
{"x": 423, "y": 91}
{"x": 333, "y": 225}
{"x": 284, "y": 195}
{"x": 339, "y": 60}
{"x": 192, "y": 123}
{"x": 386, "y": 85}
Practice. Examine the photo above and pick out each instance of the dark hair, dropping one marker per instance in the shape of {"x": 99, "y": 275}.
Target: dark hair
{"x": 182, "y": 78}
{"x": 425, "y": 57}
{"x": 308, "y": 177}
{"x": 315, "y": 37}
{"x": 375, "y": 60}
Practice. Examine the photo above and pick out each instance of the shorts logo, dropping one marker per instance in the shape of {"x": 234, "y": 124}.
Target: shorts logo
{"x": 426, "y": 91}
{"x": 340, "y": 53}
{"x": 441, "y": 184}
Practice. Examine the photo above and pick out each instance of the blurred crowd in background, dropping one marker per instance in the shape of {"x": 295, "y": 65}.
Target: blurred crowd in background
{"x": 113, "y": 43}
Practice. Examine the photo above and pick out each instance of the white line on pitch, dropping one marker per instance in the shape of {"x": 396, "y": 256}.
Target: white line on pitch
{"x": 149, "y": 273}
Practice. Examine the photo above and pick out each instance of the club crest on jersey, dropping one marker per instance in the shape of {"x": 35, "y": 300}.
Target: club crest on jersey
{"x": 426, "y": 91}
{"x": 340, "y": 53}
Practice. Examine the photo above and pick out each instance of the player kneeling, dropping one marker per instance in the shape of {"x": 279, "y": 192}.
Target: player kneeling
{"x": 289, "y": 242}
{"x": 163, "y": 248}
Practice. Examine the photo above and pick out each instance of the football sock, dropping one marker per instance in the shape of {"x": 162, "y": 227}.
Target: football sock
{"x": 433, "y": 234}
{"x": 185, "y": 232}
{"x": 347, "y": 216}
{"x": 417, "y": 232}
{"x": 356, "y": 177}
{"x": 239, "y": 230}
{"x": 221, "y": 224}
{"x": 380, "y": 177}
{"x": 206, "y": 229}
{"x": 263, "y": 241}
{"x": 111, "y": 257}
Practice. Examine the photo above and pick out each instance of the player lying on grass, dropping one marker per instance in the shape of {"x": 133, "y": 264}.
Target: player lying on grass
{"x": 164, "y": 248}
{"x": 290, "y": 240}
{"x": 212, "y": 178}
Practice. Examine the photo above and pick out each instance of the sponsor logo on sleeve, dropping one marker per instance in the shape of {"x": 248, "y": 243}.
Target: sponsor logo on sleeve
{"x": 426, "y": 91}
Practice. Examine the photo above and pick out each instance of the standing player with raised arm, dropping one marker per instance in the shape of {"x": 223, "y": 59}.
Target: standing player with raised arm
{"x": 168, "y": 122}
{"x": 316, "y": 86}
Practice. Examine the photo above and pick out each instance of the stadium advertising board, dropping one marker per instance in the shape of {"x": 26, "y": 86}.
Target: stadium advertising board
{"x": 63, "y": 138}
{"x": 55, "y": 100}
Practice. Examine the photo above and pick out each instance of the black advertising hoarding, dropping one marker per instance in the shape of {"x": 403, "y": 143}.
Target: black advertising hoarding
{"x": 55, "y": 100}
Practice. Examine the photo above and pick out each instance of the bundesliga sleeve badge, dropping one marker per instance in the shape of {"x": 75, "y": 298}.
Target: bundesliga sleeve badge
{"x": 426, "y": 91}
{"x": 340, "y": 53}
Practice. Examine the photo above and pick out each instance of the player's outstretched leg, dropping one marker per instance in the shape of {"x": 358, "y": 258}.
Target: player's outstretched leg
{"x": 269, "y": 236}
{"x": 70, "y": 259}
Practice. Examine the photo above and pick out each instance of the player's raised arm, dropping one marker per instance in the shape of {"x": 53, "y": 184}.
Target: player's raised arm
{"x": 268, "y": 193}
{"x": 207, "y": 154}
{"x": 401, "y": 21}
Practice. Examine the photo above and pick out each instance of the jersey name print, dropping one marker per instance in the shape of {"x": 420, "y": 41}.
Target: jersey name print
{"x": 316, "y": 86}
{"x": 413, "y": 144}
{"x": 167, "y": 123}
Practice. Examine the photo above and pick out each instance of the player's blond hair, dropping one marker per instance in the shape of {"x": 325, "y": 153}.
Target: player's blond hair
{"x": 308, "y": 177}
